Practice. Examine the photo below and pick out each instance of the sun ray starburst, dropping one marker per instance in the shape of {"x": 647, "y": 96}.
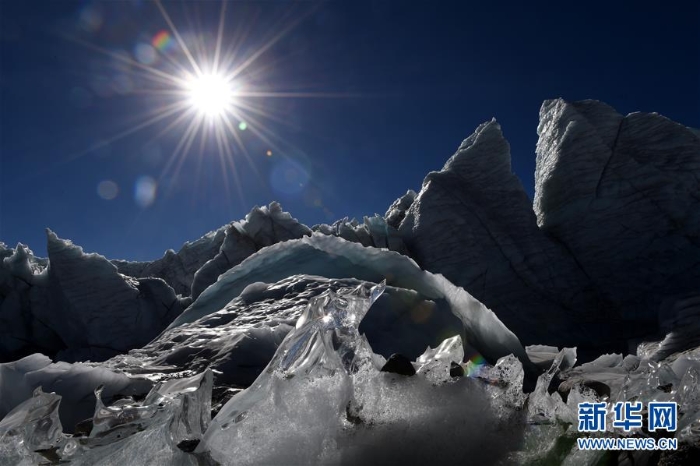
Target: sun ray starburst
{"x": 206, "y": 90}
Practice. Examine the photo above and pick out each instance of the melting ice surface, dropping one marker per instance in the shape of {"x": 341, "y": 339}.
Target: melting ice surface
{"x": 323, "y": 399}
{"x": 325, "y": 342}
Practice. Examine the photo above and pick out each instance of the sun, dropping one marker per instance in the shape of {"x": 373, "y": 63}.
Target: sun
{"x": 208, "y": 87}
{"x": 210, "y": 94}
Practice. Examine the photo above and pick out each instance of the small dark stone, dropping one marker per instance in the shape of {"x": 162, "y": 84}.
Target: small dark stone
{"x": 188, "y": 445}
{"x": 666, "y": 388}
{"x": 83, "y": 428}
{"x": 456, "y": 370}
{"x": 50, "y": 454}
{"x": 399, "y": 364}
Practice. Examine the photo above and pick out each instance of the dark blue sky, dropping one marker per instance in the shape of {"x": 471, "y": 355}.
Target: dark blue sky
{"x": 417, "y": 78}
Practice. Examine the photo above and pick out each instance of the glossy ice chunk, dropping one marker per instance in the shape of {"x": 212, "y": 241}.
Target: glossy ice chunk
{"x": 324, "y": 341}
{"x": 506, "y": 384}
{"x": 435, "y": 364}
{"x": 75, "y": 383}
{"x": 187, "y": 401}
{"x": 546, "y": 408}
{"x": 31, "y": 427}
{"x": 314, "y": 362}
{"x": 175, "y": 412}
{"x": 322, "y": 400}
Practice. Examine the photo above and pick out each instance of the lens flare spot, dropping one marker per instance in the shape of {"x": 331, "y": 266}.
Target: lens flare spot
{"x": 289, "y": 177}
{"x": 145, "y": 191}
{"x": 162, "y": 41}
{"x": 242, "y": 125}
{"x": 107, "y": 189}
{"x": 475, "y": 365}
{"x": 145, "y": 53}
{"x": 268, "y": 153}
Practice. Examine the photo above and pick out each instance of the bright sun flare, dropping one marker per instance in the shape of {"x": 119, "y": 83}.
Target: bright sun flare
{"x": 211, "y": 94}
{"x": 208, "y": 95}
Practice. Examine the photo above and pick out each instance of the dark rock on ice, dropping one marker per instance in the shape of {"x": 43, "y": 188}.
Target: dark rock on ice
{"x": 83, "y": 428}
{"x": 188, "y": 445}
{"x": 399, "y": 364}
{"x": 456, "y": 370}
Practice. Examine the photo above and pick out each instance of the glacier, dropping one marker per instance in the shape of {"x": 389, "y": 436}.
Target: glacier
{"x": 325, "y": 398}
{"x": 334, "y": 257}
{"x": 463, "y": 325}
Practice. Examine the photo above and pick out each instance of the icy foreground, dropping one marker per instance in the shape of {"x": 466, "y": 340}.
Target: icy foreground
{"x": 308, "y": 344}
{"x": 327, "y": 398}
{"x": 321, "y": 399}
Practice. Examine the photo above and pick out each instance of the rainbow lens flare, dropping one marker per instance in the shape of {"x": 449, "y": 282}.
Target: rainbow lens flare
{"x": 474, "y": 365}
{"x": 162, "y": 41}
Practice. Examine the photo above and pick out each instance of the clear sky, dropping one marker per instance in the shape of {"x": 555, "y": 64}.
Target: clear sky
{"x": 356, "y": 102}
